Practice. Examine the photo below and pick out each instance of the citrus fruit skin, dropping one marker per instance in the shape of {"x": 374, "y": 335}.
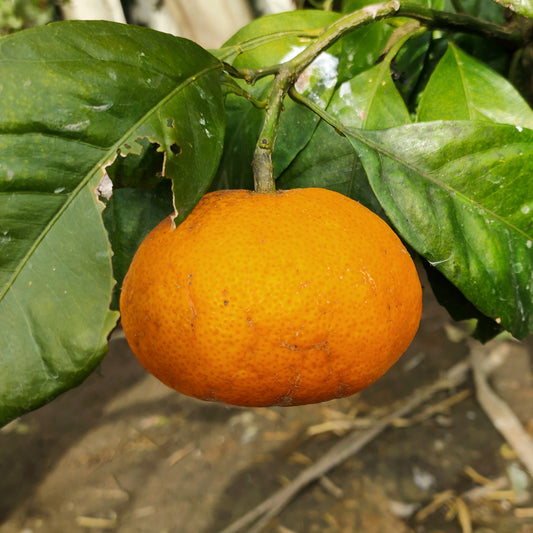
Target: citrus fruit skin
{"x": 261, "y": 299}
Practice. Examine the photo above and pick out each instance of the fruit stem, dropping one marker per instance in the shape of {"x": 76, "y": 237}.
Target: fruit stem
{"x": 263, "y": 167}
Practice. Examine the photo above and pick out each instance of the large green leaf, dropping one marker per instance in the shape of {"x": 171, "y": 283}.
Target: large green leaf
{"x": 462, "y": 88}
{"x": 73, "y": 94}
{"x": 460, "y": 193}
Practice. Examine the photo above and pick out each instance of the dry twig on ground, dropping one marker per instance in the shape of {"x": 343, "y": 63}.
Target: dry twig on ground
{"x": 483, "y": 359}
{"x": 500, "y": 414}
{"x": 342, "y": 450}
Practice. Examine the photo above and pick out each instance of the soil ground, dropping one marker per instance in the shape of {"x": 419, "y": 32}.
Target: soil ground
{"x": 124, "y": 453}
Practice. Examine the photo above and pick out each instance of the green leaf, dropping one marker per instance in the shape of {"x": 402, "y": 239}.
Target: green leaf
{"x": 411, "y": 65}
{"x": 128, "y": 217}
{"x": 267, "y": 41}
{"x": 522, "y": 7}
{"x": 368, "y": 101}
{"x": 73, "y": 94}
{"x": 462, "y": 88}
{"x": 362, "y": 48}
{"x": 460, "y": 194}
{"x": 329, "y": 161}
{"x": 450, "y": 297}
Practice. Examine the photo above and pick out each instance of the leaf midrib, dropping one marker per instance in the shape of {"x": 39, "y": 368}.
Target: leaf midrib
{"x": 391, "y": 155}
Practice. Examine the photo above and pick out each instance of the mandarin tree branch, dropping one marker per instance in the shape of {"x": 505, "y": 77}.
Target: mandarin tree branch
{"x": 286, "y": 74}
{"x": 431, "y": 18}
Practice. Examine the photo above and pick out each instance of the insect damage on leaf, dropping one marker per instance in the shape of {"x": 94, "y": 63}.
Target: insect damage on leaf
{"x": 175, "y": 149}
{"x": 104, "y": 189}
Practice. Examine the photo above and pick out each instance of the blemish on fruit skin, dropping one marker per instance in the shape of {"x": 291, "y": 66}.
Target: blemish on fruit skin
{"x": 191, "y": 302}
{"x": 292, "y": 347}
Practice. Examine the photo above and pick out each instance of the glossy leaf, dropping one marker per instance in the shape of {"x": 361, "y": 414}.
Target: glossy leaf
{"x": 73, "y": 94}
{"x": 522, "y": 7}
{"x": 368, "y": 101}
{"x": 460, "y": 194}
{"x": 362, "y": 48}
{"x": 459, "y": 308}
{"x": 462, "y": 88}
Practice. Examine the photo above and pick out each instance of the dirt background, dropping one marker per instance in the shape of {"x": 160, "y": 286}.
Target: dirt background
{"x": 124, "y": 453}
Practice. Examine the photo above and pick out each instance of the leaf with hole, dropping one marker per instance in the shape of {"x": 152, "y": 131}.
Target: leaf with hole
{"x": 74, "y": 95}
